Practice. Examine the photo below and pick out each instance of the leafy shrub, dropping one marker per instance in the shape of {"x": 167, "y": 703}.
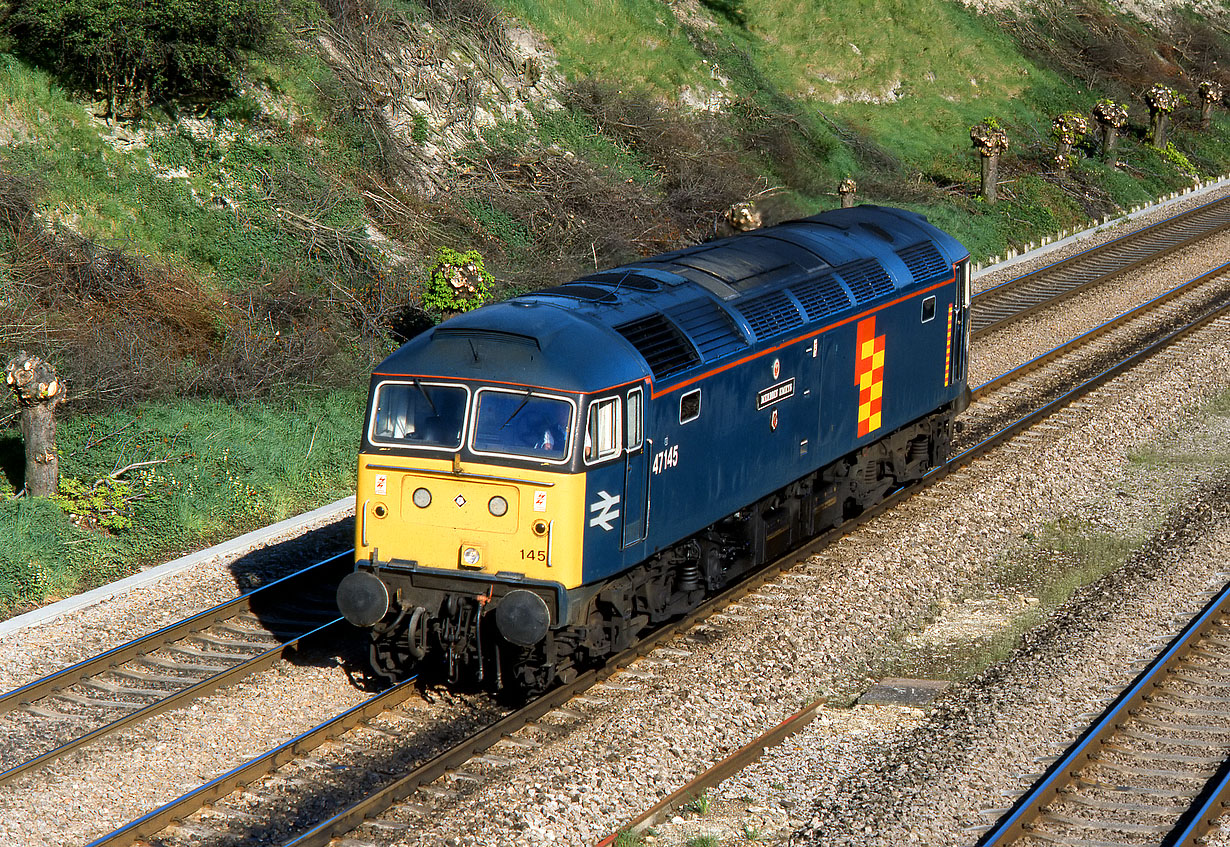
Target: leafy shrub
{"x": 458, "y": 282}
{"x": 137, "y": 52}
{"x": 106, "y": 503}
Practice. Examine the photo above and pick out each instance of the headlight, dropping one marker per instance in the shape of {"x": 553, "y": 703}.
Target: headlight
{"x": 498, "y": 506}
{"x": 422, "y": 498}
{"x": 470, "y": 556}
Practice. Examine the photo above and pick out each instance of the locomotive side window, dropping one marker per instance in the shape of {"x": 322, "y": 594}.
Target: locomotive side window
{"x": 636, "y": 420}
{"x": 928, "y": 309}
{"x": 419, "y": 414}
{"x": 522, "y": 423}
{"x": 602, "y": 432}
{"x": 689, "y": 406}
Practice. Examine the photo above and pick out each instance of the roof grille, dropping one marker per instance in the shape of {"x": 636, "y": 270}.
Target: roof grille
{"x": 821, "y": 297}
{"x": 709, "y": 327}
{"x": 867, "y": 279}
{"x": 661, "y": 343}
{"x": 770, "y": 314}
{"x": 581, "y": 292}
{"x": 923, "y": 260}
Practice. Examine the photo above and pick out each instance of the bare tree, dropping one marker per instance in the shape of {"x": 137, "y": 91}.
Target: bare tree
{"x": 38, "y": 392}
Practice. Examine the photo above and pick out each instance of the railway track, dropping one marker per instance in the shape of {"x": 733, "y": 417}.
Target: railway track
{"x": 1154, "y": 768}
{"x": 1020, "y": 297}
{"x": 441, "y": 778}
{"x": 166, "y": 669}
{"x": 123, "y": 681}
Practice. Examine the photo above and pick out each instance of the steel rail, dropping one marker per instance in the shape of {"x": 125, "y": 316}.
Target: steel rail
{"x": 1095, "y": 265}
{"x": 1205, "y": 814}
{"x": 1067, "y": 347}
{"x": 245, "y": 774}
{"x": 1016, "y": 823}
{"x": 138, "y": 647}
{"x": 230, "y": 675}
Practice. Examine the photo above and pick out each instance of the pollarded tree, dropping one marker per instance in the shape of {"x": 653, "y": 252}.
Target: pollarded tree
{"x": 135, "y": 51}
{"x": 1067, "y": 129}
{"x": 1211, "y": 92}
{"x": 1111, "y": 118}
{"x": 1161, "y": 101}
{"x": 990, "y": 141}
{"x": 38, "y": 392}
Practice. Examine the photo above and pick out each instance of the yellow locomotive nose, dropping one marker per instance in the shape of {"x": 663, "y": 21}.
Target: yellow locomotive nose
{"x": 516, "y": 522}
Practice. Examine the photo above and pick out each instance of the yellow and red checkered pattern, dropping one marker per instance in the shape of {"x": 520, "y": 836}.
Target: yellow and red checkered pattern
{"x": 948, "y": 351}
{"x": 869, "y": 375}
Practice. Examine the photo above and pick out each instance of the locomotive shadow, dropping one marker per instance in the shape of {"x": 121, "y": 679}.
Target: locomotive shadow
{"x": 13, "y": 461}
{"x": 349, "y": 779}
{"x": 296, "y": 606}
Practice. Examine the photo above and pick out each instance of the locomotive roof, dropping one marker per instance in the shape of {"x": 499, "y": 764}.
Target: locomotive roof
{"x": 686, "y": 308}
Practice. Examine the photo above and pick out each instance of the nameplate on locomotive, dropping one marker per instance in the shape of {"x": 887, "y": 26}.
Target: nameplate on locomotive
{"x": 775, "y": 394}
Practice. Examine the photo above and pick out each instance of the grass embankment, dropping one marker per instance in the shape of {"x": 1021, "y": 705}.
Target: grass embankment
{"x": 217, "y": 470}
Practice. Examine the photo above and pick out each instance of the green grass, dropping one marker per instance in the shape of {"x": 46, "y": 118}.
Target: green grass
{"x": 636, "y": 42}
{"x": 221, "y": 470}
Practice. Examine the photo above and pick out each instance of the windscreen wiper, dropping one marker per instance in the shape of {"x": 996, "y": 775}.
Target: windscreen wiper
{"x": 517, "y": 410}
{"x": 426, "y": 396}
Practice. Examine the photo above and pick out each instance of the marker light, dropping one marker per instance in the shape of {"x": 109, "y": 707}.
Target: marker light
{"x": 470, "y": 556}
{"x": 422, "y": 498}
{"x": 498, "y": 506}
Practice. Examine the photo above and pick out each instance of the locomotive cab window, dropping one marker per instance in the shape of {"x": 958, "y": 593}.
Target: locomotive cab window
{"x": 602, "y": 432}
{"x": 928, "y": 309}
{"x": 419, "y": 414}
{"x": 636, "y": 419}
{"x": 522, "y": 423}
{"x": 689, "y": 406}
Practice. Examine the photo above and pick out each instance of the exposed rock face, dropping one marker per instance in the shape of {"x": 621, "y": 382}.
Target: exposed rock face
{"x": 435, "y": 90}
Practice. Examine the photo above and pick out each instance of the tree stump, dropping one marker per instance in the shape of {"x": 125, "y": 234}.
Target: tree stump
{"x": 846, "y": 191}
{"x": 739, "y": 217}
{"x": 38, "y": 392}
{"x": 990, "y": 141}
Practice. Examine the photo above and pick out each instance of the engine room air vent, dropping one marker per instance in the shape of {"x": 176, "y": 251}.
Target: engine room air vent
{"x": 582, "y": 292}
{"x": 709, "y": 327}
{"x": 924, "y": 261}
{"x": 625, "y": 279}
{"x": 821, "y": 297}
{"x": 770, "y": 314}
{"x": 661, "y": 343}
{"x": 867, "y": 279}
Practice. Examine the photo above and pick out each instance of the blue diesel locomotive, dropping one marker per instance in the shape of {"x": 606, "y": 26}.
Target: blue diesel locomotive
{"x": 543, "y": 478}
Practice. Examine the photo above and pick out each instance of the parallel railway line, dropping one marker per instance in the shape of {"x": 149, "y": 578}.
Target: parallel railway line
{"x": 1018, "y": 298}
{"x": 111, "y": 683}
{"x": 1154, "y": 768}
{"x": 166, "y": 669}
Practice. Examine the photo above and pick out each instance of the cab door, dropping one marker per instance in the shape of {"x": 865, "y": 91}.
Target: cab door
{"x": 636, "y": 469}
